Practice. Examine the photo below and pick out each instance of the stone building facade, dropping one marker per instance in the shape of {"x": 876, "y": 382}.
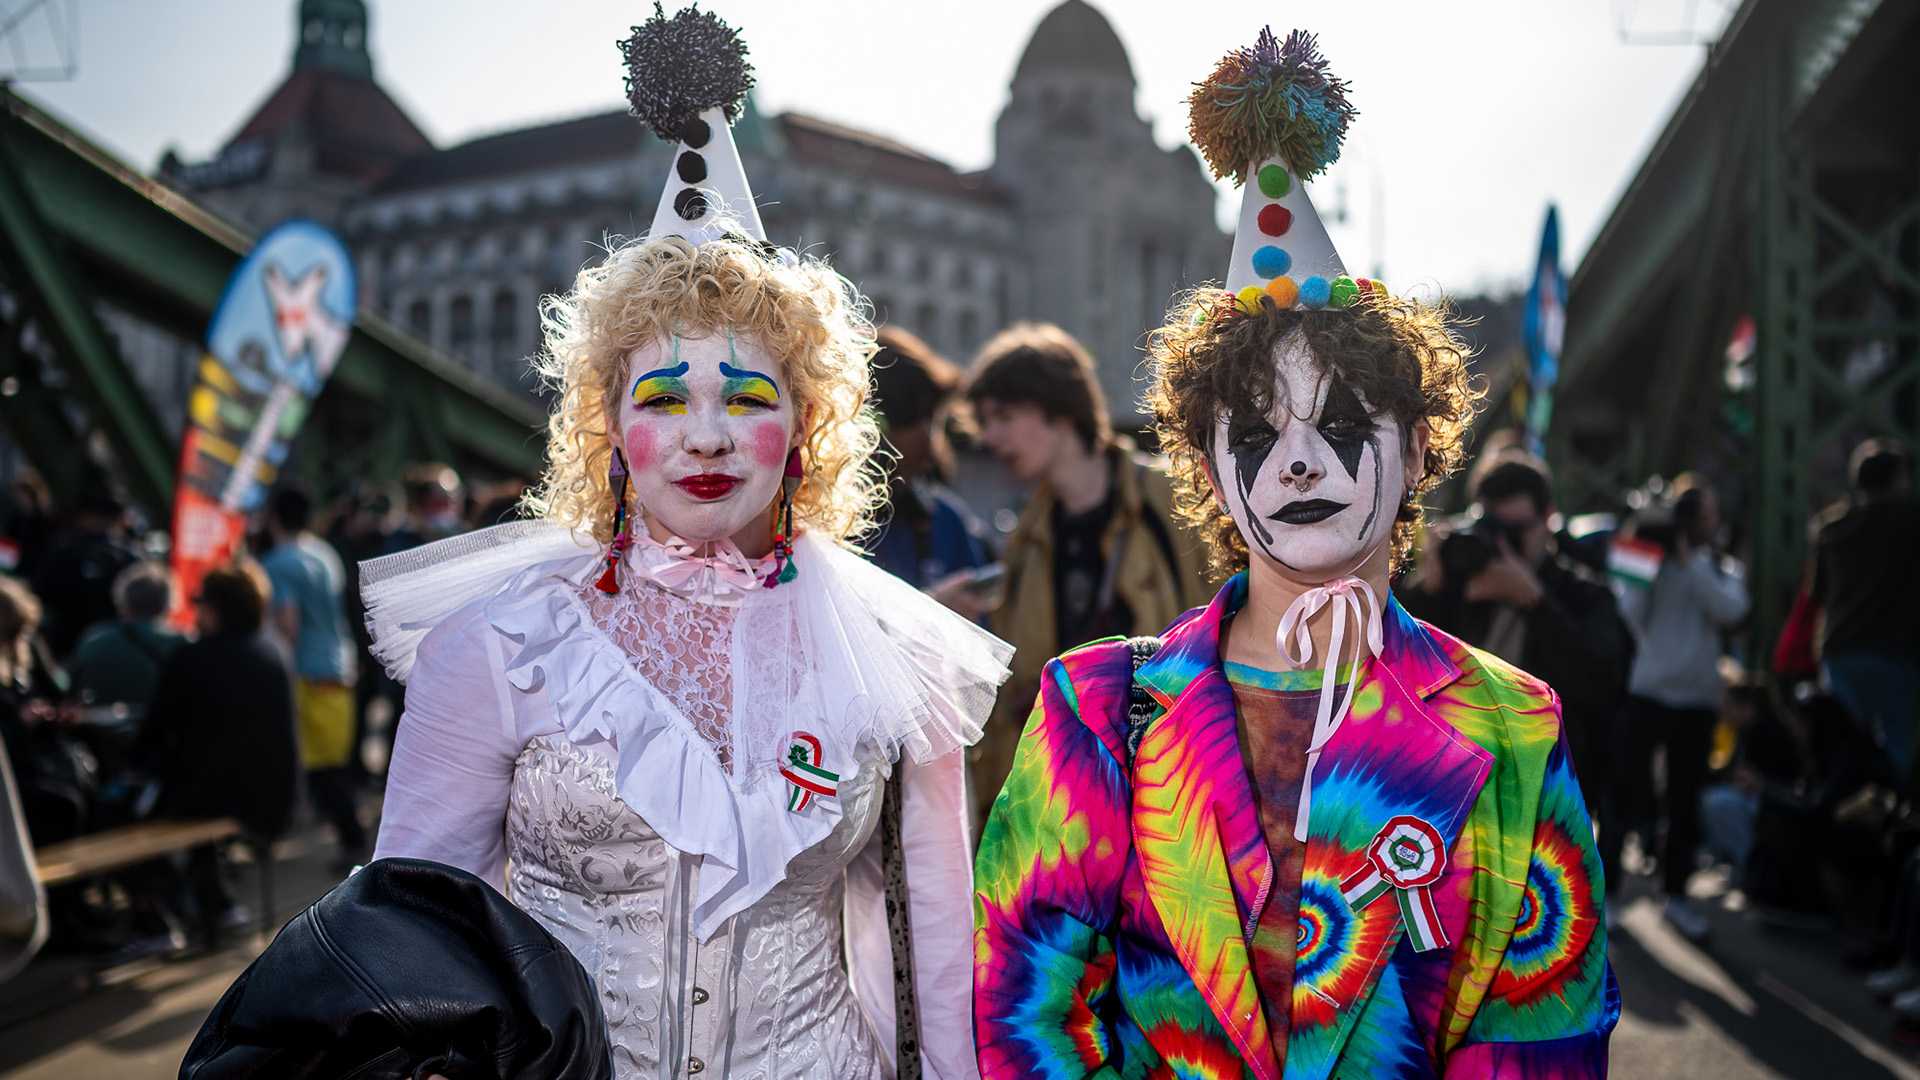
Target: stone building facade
{"x": 1081, "y": 220}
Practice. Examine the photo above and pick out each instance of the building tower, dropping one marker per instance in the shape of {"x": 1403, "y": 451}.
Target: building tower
{"x": 333, "y": 36}
{"x": 326, "y": 134}
{"x": 1113, "y": 225}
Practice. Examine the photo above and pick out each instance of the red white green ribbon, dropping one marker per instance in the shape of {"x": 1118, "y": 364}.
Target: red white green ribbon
{"x": 1406, "y": 856}
{"x": 804, "y": 772}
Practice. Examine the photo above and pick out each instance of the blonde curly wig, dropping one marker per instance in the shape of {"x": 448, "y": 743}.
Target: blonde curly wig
{"x": 1212, "y": 358}
{"x": 805, "y": 314}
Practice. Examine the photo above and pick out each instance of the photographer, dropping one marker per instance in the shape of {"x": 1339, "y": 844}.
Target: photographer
{"x": 1678, "y": 622}
{"x": 1503, "y": 585}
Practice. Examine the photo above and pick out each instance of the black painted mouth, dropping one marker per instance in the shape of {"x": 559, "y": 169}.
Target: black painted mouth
{"x": 1306, "y": 512}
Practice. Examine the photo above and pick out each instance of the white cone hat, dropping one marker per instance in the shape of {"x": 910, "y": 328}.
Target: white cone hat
{"x": 1272, "y": 117}
{"x": 1279, "y": 234}
{"x": 707, "y": 193}
{"x": 687, "y": 78}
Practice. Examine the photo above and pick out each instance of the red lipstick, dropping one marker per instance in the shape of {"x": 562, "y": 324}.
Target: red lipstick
{"x": 707, "y": 486}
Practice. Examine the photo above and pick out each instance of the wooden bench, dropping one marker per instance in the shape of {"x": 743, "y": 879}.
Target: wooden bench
{"x": 130, "y": 845}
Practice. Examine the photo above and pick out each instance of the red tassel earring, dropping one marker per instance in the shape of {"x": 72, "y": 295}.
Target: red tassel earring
{"x": 617, "y": 480}
{"x": 783, "y": 570}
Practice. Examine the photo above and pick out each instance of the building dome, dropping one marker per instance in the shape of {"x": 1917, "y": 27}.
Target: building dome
{"x": 1074, "y": 37}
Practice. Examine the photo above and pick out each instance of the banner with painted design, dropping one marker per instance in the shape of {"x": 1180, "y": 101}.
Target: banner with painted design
{"x": 276, "y": 336}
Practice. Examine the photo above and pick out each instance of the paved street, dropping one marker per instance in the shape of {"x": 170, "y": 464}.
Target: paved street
{"x": 1753, "y": 1004}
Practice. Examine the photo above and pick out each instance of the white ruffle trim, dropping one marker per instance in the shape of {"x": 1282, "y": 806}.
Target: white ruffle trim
{"x": 410, "y": 592}
{"x": 861, "y": 660}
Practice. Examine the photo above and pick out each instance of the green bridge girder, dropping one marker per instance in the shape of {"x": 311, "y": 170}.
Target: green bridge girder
{"x": 1785, "y": 188}
{"x": 78, "y": 227}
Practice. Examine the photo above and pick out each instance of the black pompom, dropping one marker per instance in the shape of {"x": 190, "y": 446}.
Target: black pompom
{"x": 690, "y": 204}
{"x": 678, "y": 68}
{"x": 696, "y": 133}
{"x": 691, "y": 167}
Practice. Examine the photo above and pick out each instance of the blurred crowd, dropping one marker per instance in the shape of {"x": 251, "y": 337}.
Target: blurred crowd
{"x": 122, "y": 701}
{"x": 1779, "y": 783}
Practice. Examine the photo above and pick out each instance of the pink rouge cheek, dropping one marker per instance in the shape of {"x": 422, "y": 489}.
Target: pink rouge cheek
{"x": 768, "y": 443}
{"x": 642, "y": 446}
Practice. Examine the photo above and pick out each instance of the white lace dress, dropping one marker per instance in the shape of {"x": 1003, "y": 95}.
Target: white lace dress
{"x": 589, "y": 753}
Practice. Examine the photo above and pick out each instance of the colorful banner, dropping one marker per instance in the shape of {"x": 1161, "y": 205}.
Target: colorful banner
{"x": 274, "y": 339}
{"x": 1545, "y": 330}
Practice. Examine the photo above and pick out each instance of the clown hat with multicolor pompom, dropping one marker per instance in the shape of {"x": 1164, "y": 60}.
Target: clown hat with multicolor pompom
{"x": 687, "y": 80}
{"x": 1272, "y": 117}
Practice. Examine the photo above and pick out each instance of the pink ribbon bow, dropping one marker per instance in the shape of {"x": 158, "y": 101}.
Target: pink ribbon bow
{"x": 1342, "y": 593}
{"x": 723, "y": 573}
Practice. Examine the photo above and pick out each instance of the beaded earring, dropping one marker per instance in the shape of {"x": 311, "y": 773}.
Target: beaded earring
{"x": 784, "y": 570}
{"x": 616, "y": 480}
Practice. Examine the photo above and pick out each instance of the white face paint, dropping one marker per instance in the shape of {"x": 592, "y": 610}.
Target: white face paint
{"x": 706, "y": 424}
{"x": 1313, "y": 485}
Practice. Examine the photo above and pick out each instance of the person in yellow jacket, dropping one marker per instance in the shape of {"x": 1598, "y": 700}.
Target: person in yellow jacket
{"x": 1098, "y": 550}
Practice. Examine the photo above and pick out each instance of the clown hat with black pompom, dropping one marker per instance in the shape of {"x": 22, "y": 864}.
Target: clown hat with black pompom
{"x": 1271, "y": 117}
{"x": 687, "y": 79}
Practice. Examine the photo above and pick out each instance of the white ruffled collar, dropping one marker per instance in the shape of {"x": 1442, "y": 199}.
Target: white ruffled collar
{"x": 882, "y": 670}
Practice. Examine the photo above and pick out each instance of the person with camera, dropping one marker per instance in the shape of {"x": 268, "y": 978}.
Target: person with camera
{"x": 1502, "y": 583}
{"x": 1679, "y": 621}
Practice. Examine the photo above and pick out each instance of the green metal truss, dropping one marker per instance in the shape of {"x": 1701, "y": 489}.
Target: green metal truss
{"x": 1786, "y": 187}
{"x": 78, "y": 227}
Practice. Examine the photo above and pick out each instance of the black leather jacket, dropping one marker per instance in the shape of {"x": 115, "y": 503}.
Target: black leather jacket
{"x": 405, "y": 970}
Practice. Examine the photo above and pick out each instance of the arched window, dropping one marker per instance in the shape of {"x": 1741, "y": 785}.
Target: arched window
{"x": 969, "y": 330}
{"x": 420, "y": 319}
{"x": 926, "y": 323}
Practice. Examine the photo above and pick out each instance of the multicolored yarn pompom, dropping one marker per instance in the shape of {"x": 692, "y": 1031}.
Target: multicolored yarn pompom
{"x": 1271, "y": 100}
{"x": 679, "y": 67}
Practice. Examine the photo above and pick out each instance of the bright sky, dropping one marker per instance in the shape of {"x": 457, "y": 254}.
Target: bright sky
{"x": 1474, "y": 114}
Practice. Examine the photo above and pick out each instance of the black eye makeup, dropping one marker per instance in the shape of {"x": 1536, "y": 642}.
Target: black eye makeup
{"x": 1250, "y": 442}
{"x": 1251, "y": 437}
{"x": 1346, "y": 426}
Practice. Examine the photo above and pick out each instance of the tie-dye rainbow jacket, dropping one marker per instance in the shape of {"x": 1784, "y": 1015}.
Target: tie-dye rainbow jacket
{"x": 1112, "y": 916}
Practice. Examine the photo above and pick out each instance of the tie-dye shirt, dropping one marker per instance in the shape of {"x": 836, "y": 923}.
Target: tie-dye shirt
{"x": 1276, "y": 710}
{"x": 1112, "y": 885}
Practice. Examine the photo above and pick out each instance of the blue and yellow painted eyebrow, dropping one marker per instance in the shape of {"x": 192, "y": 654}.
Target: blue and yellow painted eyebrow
{"x": 742, "y": 382}
{"x": 667, "y": 380}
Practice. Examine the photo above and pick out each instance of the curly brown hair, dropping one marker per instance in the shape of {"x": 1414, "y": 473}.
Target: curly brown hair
{"x": 1211, "y": 358}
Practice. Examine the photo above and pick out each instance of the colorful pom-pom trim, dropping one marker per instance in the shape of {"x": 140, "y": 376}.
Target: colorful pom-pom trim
{"x": 1315, "y": 292}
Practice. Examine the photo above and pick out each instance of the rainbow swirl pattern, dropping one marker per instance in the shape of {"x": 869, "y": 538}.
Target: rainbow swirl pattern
{"x": 1113, "y": 903}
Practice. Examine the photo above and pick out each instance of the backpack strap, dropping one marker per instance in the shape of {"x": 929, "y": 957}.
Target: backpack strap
{"x": 1140, "y": 704}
